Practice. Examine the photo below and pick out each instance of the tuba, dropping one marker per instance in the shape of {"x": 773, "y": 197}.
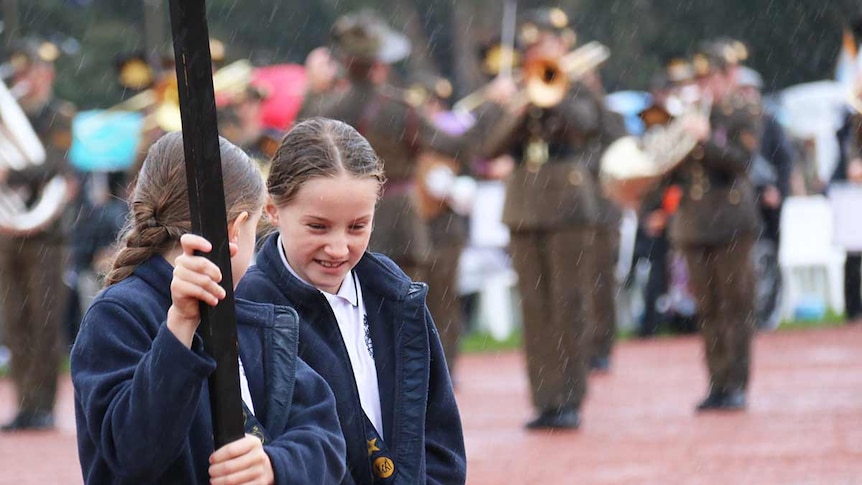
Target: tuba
{"x": 21, "y": 148}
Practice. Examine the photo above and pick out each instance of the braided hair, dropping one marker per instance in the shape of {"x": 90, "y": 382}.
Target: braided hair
{"x": 159, "y": 202}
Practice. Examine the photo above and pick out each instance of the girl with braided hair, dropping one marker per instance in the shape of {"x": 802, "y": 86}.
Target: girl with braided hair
{"x": 139, "y": 370}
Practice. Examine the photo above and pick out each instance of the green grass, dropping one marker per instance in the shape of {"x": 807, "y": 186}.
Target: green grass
{"x": 478, "y": 342}
{"x": 831, "y": 319}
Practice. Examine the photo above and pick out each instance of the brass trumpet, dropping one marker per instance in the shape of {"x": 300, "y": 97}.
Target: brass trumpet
{"x": 547, "y": 80}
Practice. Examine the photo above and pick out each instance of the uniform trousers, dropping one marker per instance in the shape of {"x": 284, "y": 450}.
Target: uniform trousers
{"x": 604, "y": 250}
{"x": 723, "y": 283}
{"x": 443, "y": 301}
{"x": 34, "y": 299}
{"x": 555, "y": 279}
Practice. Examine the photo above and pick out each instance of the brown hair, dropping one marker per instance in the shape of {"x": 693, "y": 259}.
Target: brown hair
{"x": 159, "y": 202}
{"x": 320, "y": 147}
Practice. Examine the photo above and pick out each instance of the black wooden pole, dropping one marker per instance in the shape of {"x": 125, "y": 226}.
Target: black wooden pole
{"x": 206, "y": 201}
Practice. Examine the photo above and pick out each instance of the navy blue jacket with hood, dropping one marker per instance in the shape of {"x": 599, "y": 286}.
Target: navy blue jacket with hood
{"x": 421, "y": 425}
{"x": 141, "y": 401}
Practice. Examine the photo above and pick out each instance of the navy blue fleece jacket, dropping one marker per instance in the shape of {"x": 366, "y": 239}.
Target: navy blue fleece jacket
{"x": 141, "y": 401}
{"x": 422, "y": 427}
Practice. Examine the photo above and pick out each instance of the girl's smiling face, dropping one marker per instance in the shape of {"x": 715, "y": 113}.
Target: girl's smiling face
{"x": 326, "y": 227}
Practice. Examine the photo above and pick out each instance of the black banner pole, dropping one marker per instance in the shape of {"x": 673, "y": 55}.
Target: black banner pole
{"x": 206, "y": 201}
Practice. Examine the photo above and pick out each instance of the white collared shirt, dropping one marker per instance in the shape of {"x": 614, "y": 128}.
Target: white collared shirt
{"x": 243, "y": 388}
{"x": 349, "y": 310}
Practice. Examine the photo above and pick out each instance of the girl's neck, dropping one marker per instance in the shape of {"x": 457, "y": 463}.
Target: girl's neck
{"x": 172, "y": 254}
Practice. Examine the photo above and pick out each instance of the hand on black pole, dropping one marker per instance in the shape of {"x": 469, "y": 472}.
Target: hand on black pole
{"x": 207, "y": 207}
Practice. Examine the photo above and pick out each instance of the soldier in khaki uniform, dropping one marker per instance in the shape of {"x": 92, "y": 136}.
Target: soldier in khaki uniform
{"x": 717, "y": 223}
{"x": 32, "y": 265}
{"x": 552, "y": 211}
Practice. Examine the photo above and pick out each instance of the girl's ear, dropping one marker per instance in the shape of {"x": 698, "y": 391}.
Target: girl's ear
{"x": 271, "y": 212}
{"x": 234, "y": 227}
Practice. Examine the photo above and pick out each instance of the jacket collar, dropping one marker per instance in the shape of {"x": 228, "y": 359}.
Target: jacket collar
{"x": 157, "y": 273}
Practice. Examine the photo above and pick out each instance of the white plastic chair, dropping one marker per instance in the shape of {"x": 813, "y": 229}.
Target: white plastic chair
{"x": 811, "y": 265}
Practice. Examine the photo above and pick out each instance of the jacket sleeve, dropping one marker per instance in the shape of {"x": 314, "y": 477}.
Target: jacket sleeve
{"x": 734, "y": 150}
{"x": 312, "y": 450}
{"x": 842, "y": 137}
{"x": 504, "y": 131}
{"x": 780, "y": 154}
{"x": 437, "y": 140}
{"x": 445, "y": 458}
{"x": 139, "y": 394}
{"x": 612, "y": 127}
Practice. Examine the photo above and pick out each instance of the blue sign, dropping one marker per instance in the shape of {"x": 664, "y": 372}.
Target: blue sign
{"x": 105, "y": 141}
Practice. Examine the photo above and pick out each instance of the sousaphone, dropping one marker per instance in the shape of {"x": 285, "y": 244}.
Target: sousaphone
{"x": 20, "y": 148}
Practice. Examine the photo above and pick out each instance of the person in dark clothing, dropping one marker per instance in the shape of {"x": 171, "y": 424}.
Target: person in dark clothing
{"x": 651, "y": 243}
{"x": 770, "y": 173}
{"x": 849, "y": 169}
{"x": 365, "y": 326}
{"x": 101, "y": 216}
{"x": 139, "y": 369}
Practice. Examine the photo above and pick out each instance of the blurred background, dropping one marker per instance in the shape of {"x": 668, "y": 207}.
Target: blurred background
{"x": 791, "y": 41}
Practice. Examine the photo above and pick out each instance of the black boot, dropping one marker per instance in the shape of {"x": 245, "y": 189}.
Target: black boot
{"x": 602, "y": 365}
{"x": 713, "y": 400}
{"x": 564, "y": 418}
{"x": 733, "y": 400}
{"x": 30, "y": 421}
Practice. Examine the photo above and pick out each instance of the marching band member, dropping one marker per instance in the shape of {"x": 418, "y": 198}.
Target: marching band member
{"x": 32, "y": 264}
{"x": 717, "y": 222}
{"x": 552, "y": 211}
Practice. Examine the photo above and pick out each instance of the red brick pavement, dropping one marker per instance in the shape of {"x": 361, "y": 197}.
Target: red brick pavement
{"x": 803, "y": 425}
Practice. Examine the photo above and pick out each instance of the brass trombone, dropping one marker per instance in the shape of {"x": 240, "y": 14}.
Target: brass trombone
{"x": 547, "y": 80}
{"x": 164, "y": 98}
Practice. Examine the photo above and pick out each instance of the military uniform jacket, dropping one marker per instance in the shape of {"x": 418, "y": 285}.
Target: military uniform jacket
{"x": 718, "y": 202}
{"x": 141, "y": 397}
{"x": 397, "y": 133}
{"x": 421, "y": 424}
{"x": 561, "y": 190}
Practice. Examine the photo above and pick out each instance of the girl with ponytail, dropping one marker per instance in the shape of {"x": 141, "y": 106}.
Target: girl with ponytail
{"x": 139, "y": 370}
